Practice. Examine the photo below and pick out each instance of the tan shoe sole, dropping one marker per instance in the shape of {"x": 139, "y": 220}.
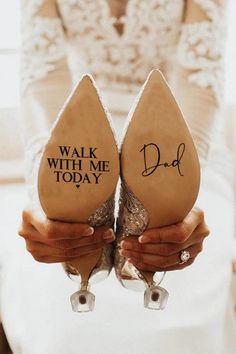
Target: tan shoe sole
{"x": 79, "y": 168}
{"x": 159, "y": 162}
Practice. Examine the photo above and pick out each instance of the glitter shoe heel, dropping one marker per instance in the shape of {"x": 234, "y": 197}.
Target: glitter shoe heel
{"x": 160, "y": 178}
{"x": 77, "y": 179}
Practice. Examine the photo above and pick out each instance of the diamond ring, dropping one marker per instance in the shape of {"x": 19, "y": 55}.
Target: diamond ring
{"x": 184, "y": 256}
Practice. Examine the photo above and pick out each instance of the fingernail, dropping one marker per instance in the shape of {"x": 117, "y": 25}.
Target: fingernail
{"x": 124, "y": 253}
{"x": 125, "y": 244}
{"x": 109, "y": 234}
{"x": 141, "y": 239}
{"x": 120, "y": 252}
{"x": 89, "y": 231}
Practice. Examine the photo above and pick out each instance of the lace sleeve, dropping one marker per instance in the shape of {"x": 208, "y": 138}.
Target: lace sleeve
{"x": 201, "y": 45}
{"x": 45, "y": 76}
{"x": 43, "y": 40}
{"x": 200, "y": 68}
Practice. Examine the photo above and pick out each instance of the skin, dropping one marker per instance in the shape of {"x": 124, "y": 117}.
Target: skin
{"x": 157, "y": 249}
{"x": 51, "y": 241}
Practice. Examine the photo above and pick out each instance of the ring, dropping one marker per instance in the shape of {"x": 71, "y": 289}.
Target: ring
{"x": 184, "y": 256}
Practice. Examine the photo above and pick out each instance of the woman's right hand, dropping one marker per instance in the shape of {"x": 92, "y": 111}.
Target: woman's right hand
{"x": 51, "y": 241}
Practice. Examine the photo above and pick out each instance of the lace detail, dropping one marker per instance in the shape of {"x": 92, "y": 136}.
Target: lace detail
{"x": 201, "y": 48}
{"x": 43, "y": 45}
{"x": 30, "y": 8}
{"x": 33, "y": 153}
{"x": 151, "y": 31}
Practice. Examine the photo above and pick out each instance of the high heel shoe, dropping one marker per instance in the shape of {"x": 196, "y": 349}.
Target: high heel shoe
{"x": 160, "y": 178}
{"x": 77, "y": 178}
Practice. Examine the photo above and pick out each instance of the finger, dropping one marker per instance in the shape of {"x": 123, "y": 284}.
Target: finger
{"x": 55, "y": 229}
{"x": 164, "y": 249}
{"x": 177, "y": 233}
{"x": 29, "y": 232}
{"x": 161, "y": 249}
{"x": 51, "y": 259}
{"x": 100, "y": 234}
{"x": 203, "y": 229}
{"x": 160, "y": 261}
{"x": 149, "y": 268}
{"x": 38, "y": 249}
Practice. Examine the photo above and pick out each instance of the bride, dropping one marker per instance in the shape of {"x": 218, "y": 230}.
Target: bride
{"x": 119, "y": 42}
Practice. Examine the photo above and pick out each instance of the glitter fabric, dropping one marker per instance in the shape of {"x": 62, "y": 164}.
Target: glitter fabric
{"x": 132, "y": 221}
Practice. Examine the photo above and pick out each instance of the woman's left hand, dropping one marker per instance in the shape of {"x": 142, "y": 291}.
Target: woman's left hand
{"x": 159, "y": 249}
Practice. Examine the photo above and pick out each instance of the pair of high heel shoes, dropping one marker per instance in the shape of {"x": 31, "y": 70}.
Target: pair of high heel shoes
{"x": 80, "y": 167}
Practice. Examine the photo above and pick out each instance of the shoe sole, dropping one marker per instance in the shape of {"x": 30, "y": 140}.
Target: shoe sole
{"x": 79, "y": 168}
{"x": 159, "y": 161}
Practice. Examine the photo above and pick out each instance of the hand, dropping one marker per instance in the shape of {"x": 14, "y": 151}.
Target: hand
{"x": 53, "y": 241}
{"x": 159, "y": 249}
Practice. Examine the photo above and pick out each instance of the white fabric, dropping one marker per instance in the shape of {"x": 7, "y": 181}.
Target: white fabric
{"x": 46, "y": 38}
{"x": 199, "y": 318}
{"x": 11, "y": 146}
{"x": 152, "y": 32}
{"x": 201, "y": 47}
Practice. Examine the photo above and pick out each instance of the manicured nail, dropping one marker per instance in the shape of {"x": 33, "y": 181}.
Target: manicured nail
{"x": 122, "y": 244}
{"x": 125, "y": 244}
{"x": 120, "y": 252}
{"x": 89, "y": 231}
{"x": 109, "y": 234}
{"x": 124, "y": 253}
{"x": 141, "y": 239}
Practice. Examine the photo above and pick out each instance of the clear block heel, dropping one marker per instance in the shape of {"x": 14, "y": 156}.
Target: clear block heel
{"x": 83, "y": 300}
{"x": 155, "y": 297}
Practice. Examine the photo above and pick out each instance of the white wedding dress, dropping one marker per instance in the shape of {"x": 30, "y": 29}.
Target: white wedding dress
{"x": 119, "y": 45}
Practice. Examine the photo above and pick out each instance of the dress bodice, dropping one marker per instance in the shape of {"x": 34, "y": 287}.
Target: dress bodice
{"x": 150, "y": 34}
{"x": 154, "y": 36}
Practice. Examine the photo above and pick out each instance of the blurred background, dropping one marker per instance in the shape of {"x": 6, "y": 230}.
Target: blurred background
{"x": 11, "y": 167}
